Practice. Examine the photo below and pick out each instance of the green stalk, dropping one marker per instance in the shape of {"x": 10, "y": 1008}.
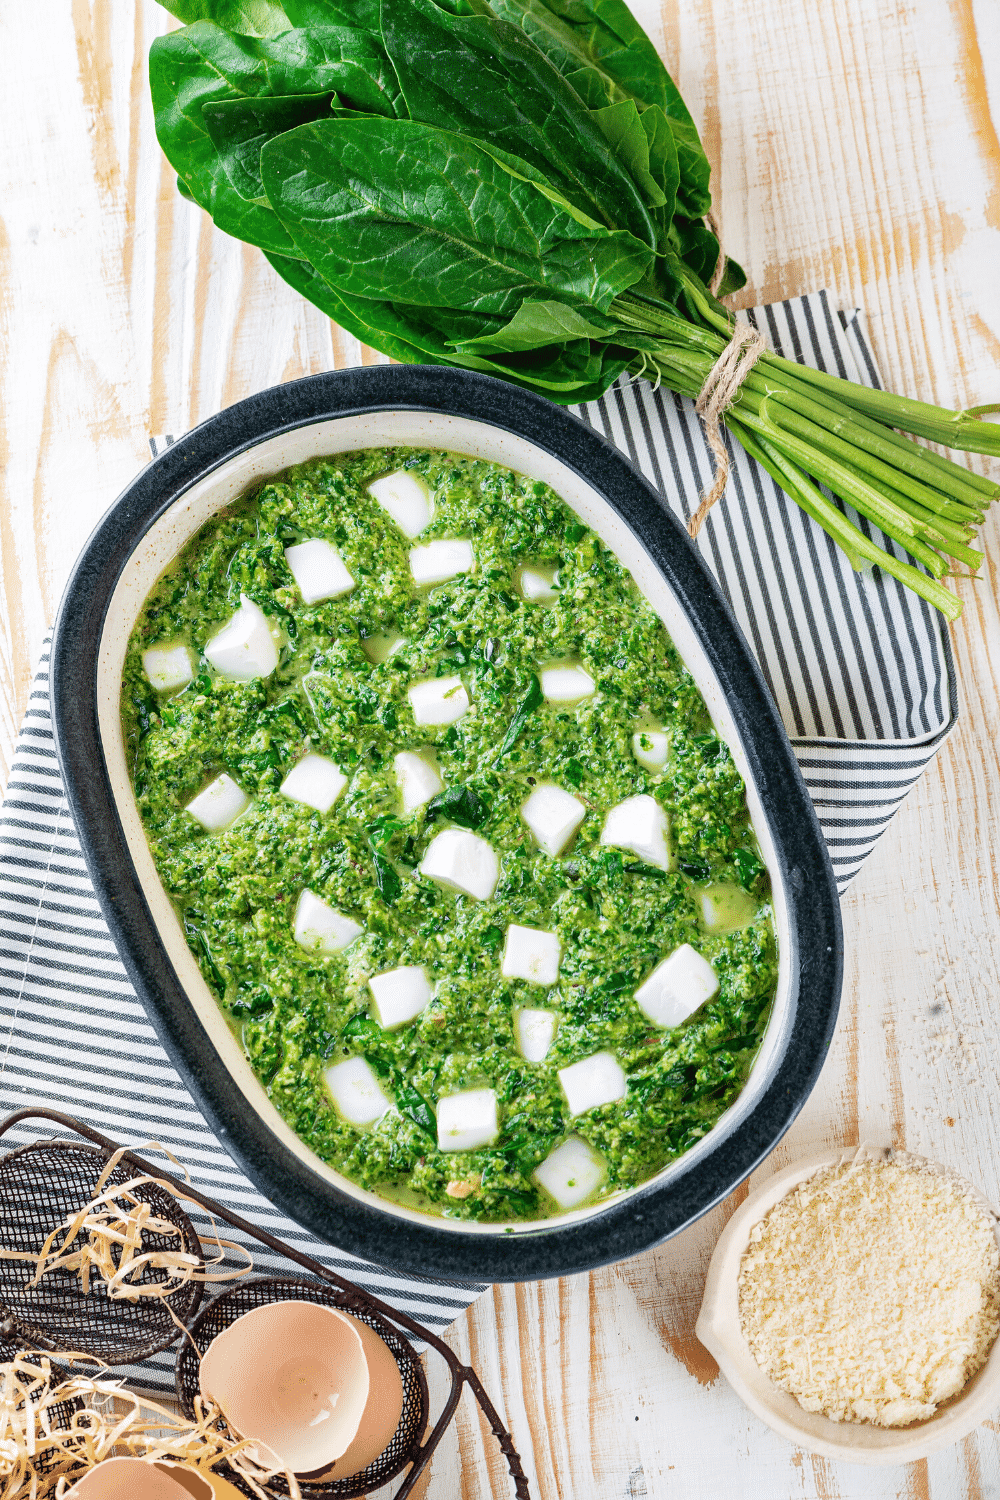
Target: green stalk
{"x": 893, "y": 521}
{"x": 893, "y": 481}
{"x": 955, "y": 497}
{"x": 843, "y": 532}
{"x": 956, "y": 429}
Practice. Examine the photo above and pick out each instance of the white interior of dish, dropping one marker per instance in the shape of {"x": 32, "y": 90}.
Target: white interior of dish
{"x": 341, "y": 435}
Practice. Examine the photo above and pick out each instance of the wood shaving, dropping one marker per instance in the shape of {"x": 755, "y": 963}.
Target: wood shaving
{"x": 41, "y": 1459}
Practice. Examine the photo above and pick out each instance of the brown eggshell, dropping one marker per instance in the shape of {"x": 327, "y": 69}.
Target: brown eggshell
{"x": 382, "y": 1410}
{"x": 132, "y": 1479}
{"x": 202, "y": 1484}
{"x": 293, "y": 1376}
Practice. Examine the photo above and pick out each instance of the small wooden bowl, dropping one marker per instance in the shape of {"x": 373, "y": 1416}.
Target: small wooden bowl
{"x": 719, "y": 1329}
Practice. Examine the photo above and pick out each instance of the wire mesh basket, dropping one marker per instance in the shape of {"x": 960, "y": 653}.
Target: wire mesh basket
{"x": 247, "y": 1295}
{"x": 44, "y": 1182}
{"x": 42, "y": 1185}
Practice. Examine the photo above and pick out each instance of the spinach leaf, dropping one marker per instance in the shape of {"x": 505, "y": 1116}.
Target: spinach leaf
{"x": 531, "y": 700}
{"x": 239, "y": 127}
{"x": 204, "y": 66}
{"x": 750, "y": 867}
{"x": 605, "y": 55}
{"x": 694, "y": 869}
{"x": 487, "y": 80}
{"x": 247, "y": 17}
{"x": 390, "y": 209}
{"x": 406, "y": 334}
{"x": 462, "y": 804}
{"x": 411, "y": 1103}
{"x": 360, "y": 13}
{"x": 380, "y": 832}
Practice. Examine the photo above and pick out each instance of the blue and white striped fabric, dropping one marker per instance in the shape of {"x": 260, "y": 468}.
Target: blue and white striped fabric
{"x": 861, "y": 671}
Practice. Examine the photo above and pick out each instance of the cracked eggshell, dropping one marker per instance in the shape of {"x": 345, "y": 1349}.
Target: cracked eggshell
{"x": 292, "y": 1376}
{"x": 382, "y": 1410}
{"x": 131, "y": 1478}
{"x": 200, "y": 1483}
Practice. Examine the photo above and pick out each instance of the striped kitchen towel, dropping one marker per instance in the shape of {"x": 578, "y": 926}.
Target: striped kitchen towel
{"x": 860, "y": 669}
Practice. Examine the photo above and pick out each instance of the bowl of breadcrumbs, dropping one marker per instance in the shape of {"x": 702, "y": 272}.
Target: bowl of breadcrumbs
{"x": 853, "y": 1303}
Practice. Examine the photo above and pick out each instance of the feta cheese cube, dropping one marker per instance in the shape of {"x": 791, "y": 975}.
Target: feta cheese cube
{"x": 462, "y": 861}
{"x": 639, "y": 825}
{"x": 219, "y": 804}
{"x": 356, "y": 1091}
{"x": 320, "y": 929}
{"x": 438, "y": 700}
{"x": 531, "y": 954}
{"x": 319, "y": 570}
{"x": 534, "y": 1030}
{"x": 416, "y": 777}
{"x": 565, "y": 682}
{"x": 593, "y": 1081}
{"x": 677, "y": 987}
{"x": 316, "y": 781}
{"x": 651, "y": 748}
{"x": 399, "y": 995}
{"x": 168, "y": 667}
{"x": 406, "y": 498}
{"x": 380, "y": 646}
{"x": 438, "y": 561}
{"x": 553, "y": 816}
{"x": 571, "y": 1172}
{"x": 245, "y": 648}
{"x": 537, "y": 585}
{"x": 467, "y": 1120}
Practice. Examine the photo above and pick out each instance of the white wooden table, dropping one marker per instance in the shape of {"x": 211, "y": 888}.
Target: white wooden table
{"x": 855, "y": 147}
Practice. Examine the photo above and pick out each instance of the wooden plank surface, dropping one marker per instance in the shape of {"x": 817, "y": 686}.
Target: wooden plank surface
{"x": 855, "y": 147}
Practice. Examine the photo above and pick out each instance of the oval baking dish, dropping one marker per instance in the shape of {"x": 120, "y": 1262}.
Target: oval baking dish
{"x": 468, "y": 413}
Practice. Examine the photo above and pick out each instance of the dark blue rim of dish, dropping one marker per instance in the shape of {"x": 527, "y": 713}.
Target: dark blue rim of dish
{"x": 646, "y": 1215}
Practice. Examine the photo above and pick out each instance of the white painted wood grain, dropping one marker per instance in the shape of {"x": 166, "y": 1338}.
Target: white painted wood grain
{"x": 855, "y": 147}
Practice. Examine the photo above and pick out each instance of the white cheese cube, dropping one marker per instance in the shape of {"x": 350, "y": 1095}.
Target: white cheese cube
{"x": 438, "y": 561}
{"x": 245, "y": 648}
{"x": 531, "y": 954}
{"x": 316, "y": 781}
{"x": 534, "y": 1030}
{"x": 438, "y": 700}
{"x": 651, "y": 749}
{"x": 399, "y": 995}
{"x": 168, "y": 667}
{"x": 571, "y": 1172}
{"x": 417, "y": 778}
{"x": 677, "y": 987}
{"x": 356, "y": 1091}
{"x": 468, "y": 1120}
{"x": 380, "y": 646}
{"x": 462, "y": 861}
{"x": 639, "y": 825}
{"x": 406, "y": 498}
{"x": 537, "y": 585}
{"x": 320, "y": 929}
{"x": 219, "y": 804}
{"x": 319, "y": 570}
{"x": 553, "y": 816}
{"x": 565, "y": 682}
{"x": 593, "y": 1081}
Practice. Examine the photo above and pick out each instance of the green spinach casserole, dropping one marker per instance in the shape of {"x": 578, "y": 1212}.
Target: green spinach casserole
{"x": 451, "y": 834}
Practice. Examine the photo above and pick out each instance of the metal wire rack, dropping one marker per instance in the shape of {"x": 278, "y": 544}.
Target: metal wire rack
{"x": 40, "y": 1184}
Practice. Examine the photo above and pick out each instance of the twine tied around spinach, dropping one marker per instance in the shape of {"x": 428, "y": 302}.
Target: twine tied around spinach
{"x": 720, "y": 390}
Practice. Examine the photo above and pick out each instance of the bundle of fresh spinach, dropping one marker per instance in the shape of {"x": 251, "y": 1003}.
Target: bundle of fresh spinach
{"x": 517, "y": 187}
